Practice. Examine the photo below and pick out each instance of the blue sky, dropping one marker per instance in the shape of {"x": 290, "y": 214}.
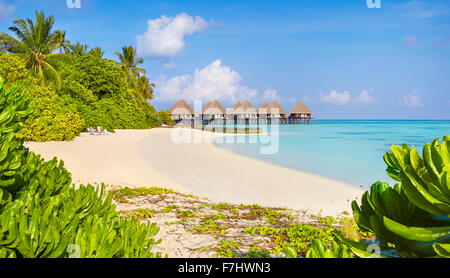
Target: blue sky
{"x": 340, "y": 57}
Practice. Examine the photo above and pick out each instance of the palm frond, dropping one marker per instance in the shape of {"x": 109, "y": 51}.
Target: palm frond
{"x": 51, "y": 74}
{"x": 11, "y": 44}
{"x": 56, "y": 58}
{"x": 35, "y": 42}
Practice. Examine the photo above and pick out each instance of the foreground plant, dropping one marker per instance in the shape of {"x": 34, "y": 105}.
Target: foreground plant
{"x": 411, "y": 219}
{"x": 43, "y": 216}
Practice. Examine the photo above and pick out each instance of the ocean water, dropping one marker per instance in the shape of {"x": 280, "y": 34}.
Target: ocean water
{"x": 347, "y": 150}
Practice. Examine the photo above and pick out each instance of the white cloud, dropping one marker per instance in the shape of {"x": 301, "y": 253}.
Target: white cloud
{"x": 215, "y": 81}
{"x": 172, "y": 89}
{"x": 334, "y": 97}
{"x": 165, "y": 35}
{"x": 365, "y": 97}
{"x": 411, "y": 100}
{"x": 6, "y": 10}
{"x": 270, "y": 94}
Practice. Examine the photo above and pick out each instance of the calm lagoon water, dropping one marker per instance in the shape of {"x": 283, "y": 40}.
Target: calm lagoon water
{"x": 346, "y": 150}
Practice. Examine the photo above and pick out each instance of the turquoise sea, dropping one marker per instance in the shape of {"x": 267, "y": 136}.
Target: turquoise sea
{"x": 346, "y": 150}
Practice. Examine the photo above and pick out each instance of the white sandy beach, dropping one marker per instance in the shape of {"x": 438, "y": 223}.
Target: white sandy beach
{"x": 137, "y": 158}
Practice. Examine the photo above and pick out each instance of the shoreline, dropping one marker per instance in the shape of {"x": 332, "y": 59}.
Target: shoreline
{"x": 145, "y": 158}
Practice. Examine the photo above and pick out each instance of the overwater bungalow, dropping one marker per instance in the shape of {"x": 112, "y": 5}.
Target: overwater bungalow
{"x": 276, "y": 113}
{"x": 237, "y": 105}
{"x": 250, "y": 113}
{"x": 242, "y": 113}
{"x": 300, "y": 114}
{"x": 182, "y": 112}
{"x": 237, "y": 113}
{"x": 263, "y": 113}
{"x": 213, "y": 113}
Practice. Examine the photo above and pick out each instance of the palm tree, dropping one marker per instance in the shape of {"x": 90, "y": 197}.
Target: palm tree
{"x": 63, "y": 44}
{"x": 35, "y": 43}
{"x": 78, "y": 49}
{"x": 97, "y": 52}
{"x": 145, "y": 87}
{"x": 129, "y": 61}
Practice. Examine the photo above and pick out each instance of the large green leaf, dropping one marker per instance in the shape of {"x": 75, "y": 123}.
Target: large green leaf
{"x": 423, "y": 234}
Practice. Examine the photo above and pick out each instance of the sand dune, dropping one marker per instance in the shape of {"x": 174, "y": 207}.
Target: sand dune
{"x": 152, "y": 158}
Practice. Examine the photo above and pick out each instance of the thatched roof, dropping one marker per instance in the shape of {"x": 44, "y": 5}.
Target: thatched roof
{"x": 275, "y": 108}
{"x": 237, "y": 105}
{"x": 263, "y": 108}
{"x": 213, "y": 108}
{"x": 181, "y": 108}
{"x": 247, "y": 105}
{"x": 264, "y": 105}
{"x": 301, "y": 108}
{"x": 248, "y": 108}
{"x": 237, "y": 108}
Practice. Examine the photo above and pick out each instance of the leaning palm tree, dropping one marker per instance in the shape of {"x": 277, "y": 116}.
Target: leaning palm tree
{"x": 35, "y": 43}
{"x": 144, "y": 87}
{"x": 129, "y": 61}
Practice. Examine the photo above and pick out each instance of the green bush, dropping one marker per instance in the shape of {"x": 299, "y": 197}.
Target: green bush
{"x": 411, "y": 219}
{"x": 100, "y": 92}
{"x": 94, "y": 92}
{"x": 43, "y": 216}
{"x": 101, "y": 76}
{"x": 12, "y": 68}
{"x": 54, "y": 118}
{"x": 165, "y": 117}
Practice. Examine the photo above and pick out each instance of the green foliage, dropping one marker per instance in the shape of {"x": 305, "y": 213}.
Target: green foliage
{"x": 123, "y": 193}
{"x": 43, "y": 215}
{"x": 411, "y": 219}
{"x": 97, "y": 52}
{"x": 129, "y": 62}
{"x": 165, "y": 117}
{"x": 144, "y": 87}
{"x": 320, "y": 250}
{"x": 99, "y": 89}
{"x": 102, "y": 77}
{"x": 443, "y": 250}
{"x": 35, "y": 42}
{"x": 12, "y": 68}
{"x": 384, "y": 202}
{"x": 76, "y": 88}
{"x": 296, "y": 237}
{"x": 77, "y": 49}
{"x": 54, "y": 118}
{"x": 82, "y": 102}
{"x": 425, "y": 181}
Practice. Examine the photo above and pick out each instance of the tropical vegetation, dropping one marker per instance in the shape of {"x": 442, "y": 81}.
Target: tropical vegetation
{"x": 72, "y": 87}
{"x": 52, "y": 90}
{"x": 42, "y": 215}
{"x": 35, "y": 42}
{"x": 410, "y": 219}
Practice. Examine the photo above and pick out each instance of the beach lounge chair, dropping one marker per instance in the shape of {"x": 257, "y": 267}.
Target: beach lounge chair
{"x": 102, "y": 131}
{"x": 91, "y": 131}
